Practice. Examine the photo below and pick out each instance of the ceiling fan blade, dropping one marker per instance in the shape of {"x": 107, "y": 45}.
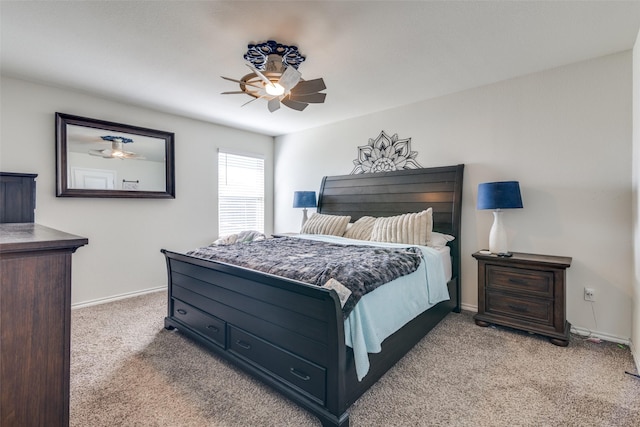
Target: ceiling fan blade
{"x": 290, "y": 78}
{"x": 259, "y": 74}
{"x": 316, "y": 98}
{"x": 249, "y": 102}
{"x": 254, "y": 99}
{"x": 106, "y": 153}
{"x": 310, "y": 86}
{"x": 241, "y": 82}
{"x": 274, "y": 104}
{"x": 294, "y": 104}
{"x": 235, "y": 92}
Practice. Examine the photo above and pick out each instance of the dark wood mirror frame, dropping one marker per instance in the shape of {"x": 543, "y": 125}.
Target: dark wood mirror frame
{"x": 63, "y": 189}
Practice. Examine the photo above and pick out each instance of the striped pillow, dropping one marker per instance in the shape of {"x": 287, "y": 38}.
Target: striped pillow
{"x": 361, "y": 229}
{"x": 334, "y": 225}
{"x": 410, "y": 228}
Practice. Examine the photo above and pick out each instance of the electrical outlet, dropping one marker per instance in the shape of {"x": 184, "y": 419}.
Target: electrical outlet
{"x": 589, "y": 294}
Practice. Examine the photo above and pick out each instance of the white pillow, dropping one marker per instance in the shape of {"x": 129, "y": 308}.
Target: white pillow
{"x": 334, "y": 225}
{"x": 242, "y": 237}
{"x": 439, "y": 240}
{"x": 361, "y": 229}
{"x": 410, "y": 228}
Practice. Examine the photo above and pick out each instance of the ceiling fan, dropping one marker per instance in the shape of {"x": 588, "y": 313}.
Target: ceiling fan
{"x": 117, "y": 149}
{"x": 275, "y": 77}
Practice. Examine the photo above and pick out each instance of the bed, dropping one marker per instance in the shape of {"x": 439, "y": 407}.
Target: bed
{"x": 290, "y": 334}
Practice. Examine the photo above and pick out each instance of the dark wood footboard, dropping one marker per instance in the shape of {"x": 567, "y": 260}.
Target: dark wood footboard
{"x": 287, "y": 333}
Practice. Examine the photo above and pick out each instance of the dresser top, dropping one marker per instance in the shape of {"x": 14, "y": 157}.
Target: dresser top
{"x": 25, "y": 175}
{"x": 20, "y": 237}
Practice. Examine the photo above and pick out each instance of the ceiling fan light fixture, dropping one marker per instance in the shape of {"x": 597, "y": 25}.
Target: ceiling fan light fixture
{"x": 274, "y": 89}
{"x": 275, "y": 77}
{"x": 117, "y": 150}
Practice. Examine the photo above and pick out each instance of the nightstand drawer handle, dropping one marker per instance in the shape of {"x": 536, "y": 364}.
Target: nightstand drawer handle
{"x": 213, "y": 328}
{"x": 519, "y": 308}
{"x": 181, "y": 311}
{"x": 517, "y": 281}
{"x": 301, "y": 375}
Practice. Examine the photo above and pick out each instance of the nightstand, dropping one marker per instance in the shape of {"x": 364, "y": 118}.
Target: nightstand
{"x": 524, "y": 291}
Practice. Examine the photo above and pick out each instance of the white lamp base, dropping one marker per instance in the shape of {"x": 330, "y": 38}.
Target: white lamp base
{"x": 304, "y": 217}
{"x": 498, "y": 236}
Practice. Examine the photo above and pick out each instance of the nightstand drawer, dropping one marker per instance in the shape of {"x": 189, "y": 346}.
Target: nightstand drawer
{"x": 519, "y": 280}
{"x": 530, "y": 310}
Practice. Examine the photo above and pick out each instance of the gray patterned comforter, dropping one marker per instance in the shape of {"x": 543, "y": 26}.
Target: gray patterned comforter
{"x": 361, "y": 269}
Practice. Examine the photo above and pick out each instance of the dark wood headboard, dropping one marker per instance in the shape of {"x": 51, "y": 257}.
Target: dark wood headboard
{"x": 393, "y": 193}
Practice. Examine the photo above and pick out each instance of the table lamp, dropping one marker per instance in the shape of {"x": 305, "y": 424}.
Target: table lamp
{"x": 498, "y": 196}
{"x": 304, "y": 199}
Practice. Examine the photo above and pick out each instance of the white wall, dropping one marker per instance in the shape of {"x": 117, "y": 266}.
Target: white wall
{"x": 125, "y": 235}
{"x": 565, "y": 134}
{"x": 635, "y": 333}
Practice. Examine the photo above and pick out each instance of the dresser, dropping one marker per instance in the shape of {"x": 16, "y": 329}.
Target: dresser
{"x": 524, "y": 291}
{"x": 35, "y": 311}
{"x": 17, "y": 197}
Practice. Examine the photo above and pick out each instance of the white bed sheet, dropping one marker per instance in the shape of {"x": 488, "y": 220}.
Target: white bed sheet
{"x": 383, "y": 311}
{"x": 445, "y": 255}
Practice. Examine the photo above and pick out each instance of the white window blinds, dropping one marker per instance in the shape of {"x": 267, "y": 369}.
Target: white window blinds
{"x": 240, "y": 193}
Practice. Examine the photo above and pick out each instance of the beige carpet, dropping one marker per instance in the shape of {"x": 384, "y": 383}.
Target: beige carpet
{"x": 126, "y": 370}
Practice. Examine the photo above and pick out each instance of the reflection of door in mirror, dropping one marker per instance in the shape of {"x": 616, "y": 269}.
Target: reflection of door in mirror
{"x": 94, "y": 179}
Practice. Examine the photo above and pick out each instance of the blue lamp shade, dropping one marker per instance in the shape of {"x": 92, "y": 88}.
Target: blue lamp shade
{"x": 499, "y": 195}
{"x": 304, "y": 199}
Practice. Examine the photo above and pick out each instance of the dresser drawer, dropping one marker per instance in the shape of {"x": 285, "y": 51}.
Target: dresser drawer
{"x": 209, "y": 326}
{"x": 284, "y": 365}
{"x": 519, "y": 280}
{"x": 539, "y": 311}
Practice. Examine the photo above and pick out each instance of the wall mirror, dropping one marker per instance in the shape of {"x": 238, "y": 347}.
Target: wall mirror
{"x": 96, "y": 158}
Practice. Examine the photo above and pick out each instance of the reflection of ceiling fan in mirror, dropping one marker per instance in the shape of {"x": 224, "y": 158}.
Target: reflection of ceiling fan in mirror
{"x": 276, "y": 78}
{"x": 117, "y": 150}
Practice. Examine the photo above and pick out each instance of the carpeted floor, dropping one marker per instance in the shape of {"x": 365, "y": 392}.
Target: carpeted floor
{"x": 127, "y": 370}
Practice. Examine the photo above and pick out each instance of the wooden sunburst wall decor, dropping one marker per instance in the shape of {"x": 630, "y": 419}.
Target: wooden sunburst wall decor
{"x": 385, "y": 154}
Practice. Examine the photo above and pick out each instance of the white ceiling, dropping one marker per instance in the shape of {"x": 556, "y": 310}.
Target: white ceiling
{"x": 373, "y": 55}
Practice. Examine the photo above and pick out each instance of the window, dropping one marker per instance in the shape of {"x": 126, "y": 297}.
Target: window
{"x": 240, "y": 193}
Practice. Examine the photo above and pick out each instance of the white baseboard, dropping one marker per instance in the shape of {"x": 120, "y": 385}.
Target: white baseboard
{"x": 116, "y": 297}
{"x": 467, "y": 307}
{"x": 601, "y": 335}
{"x": 635, "y": 355}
